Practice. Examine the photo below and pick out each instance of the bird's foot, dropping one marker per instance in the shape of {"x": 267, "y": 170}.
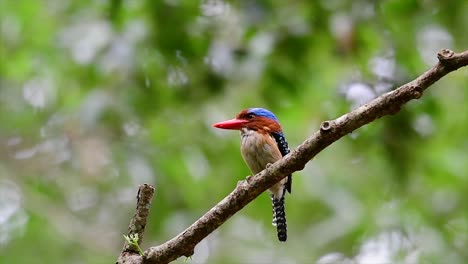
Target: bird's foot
{"x": 268, "y": 165}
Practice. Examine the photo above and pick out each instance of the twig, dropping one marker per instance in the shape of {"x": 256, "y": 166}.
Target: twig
{"x": 329, "y": 132}
{"x": 131, "y": 251}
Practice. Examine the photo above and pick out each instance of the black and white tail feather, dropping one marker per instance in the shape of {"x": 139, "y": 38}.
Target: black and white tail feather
{"x": 279, "y": 213}
{"x": 279, "y": 217}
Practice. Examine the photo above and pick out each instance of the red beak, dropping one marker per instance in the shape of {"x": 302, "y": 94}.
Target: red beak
{"x": 235, "y": 124}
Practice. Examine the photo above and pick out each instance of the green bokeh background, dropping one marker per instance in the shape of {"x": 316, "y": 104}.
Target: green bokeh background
{"x": 97, "y": 97}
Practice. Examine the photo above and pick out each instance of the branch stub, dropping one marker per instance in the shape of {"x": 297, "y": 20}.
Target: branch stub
{"x": 417, "y": 94}
{"x": 326, "y": 126}
{"x": 445, "y": 55}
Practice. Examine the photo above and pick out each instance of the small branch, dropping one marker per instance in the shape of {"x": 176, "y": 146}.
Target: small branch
{"x": 130, "y": 253}
{"x": 329, "y": 132}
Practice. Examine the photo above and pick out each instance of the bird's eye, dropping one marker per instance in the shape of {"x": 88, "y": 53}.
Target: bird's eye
{"x": 251, "y": 116}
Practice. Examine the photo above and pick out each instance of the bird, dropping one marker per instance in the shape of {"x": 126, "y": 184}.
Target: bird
{"x": 263, "y": 143}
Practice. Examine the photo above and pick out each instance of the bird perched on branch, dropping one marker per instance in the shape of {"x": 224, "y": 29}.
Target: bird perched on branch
{"x": 263, "y": 142}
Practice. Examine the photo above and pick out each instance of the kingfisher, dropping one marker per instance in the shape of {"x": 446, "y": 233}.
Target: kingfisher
{"x": 263, "y": 143}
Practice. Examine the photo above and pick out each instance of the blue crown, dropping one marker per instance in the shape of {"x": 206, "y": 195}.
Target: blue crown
{"x": 262, "y": 112}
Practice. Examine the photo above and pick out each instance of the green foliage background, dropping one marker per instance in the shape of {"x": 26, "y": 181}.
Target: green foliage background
{"x": 98, "y": 97}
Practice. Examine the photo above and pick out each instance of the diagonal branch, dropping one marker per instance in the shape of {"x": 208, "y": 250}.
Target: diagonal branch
{"x": 329, "y": 132}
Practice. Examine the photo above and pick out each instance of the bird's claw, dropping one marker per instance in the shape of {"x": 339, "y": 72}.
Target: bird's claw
{"x": 268, "y": 165}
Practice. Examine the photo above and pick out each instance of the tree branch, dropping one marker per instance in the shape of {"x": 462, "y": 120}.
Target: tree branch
{"x": 329, "y": 132}
{"x": 130, "y": 253}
